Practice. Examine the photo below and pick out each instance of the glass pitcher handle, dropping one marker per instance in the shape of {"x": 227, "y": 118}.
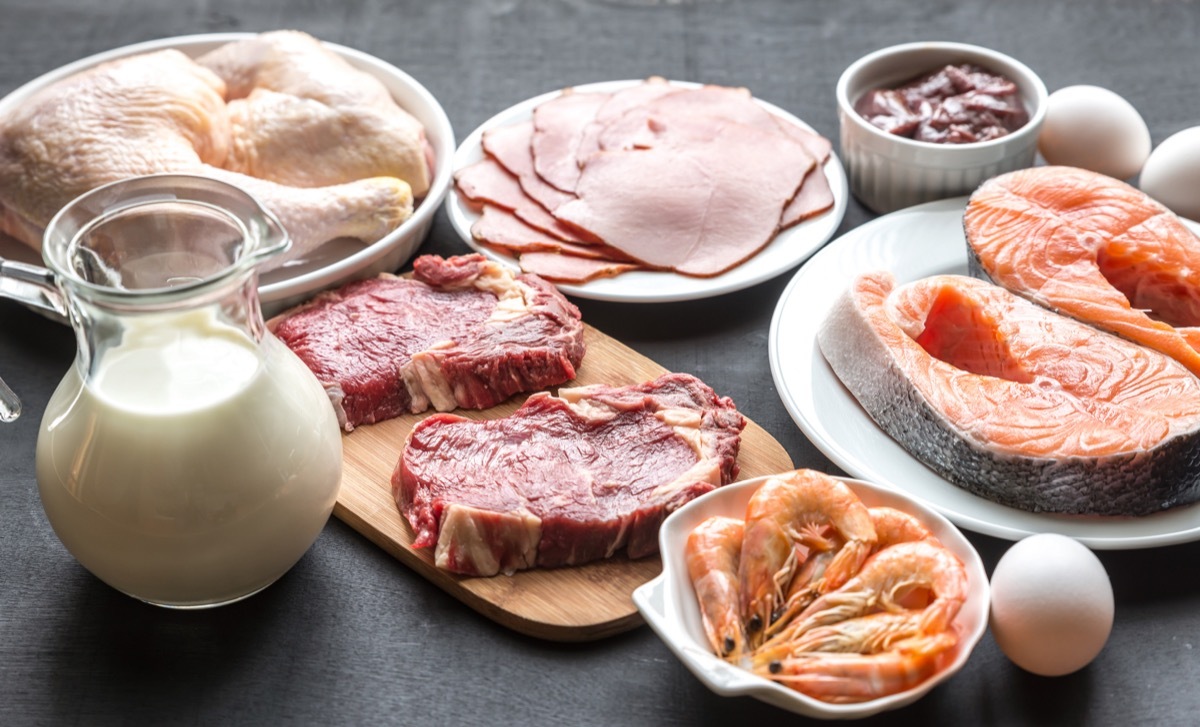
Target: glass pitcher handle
{"x": 10, "y": 405}
{"x": 33, "y": 286}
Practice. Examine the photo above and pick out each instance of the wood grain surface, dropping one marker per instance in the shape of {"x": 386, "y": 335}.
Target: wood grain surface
{"x": 579, "y": 603}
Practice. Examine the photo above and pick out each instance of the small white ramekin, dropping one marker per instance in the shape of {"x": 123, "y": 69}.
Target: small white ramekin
{"x": 889, "y": 172}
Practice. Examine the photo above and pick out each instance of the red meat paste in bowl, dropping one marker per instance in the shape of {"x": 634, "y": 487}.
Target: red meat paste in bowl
{"x": 957, "y": 104}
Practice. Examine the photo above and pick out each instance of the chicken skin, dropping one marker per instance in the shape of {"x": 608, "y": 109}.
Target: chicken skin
{"x": 154, "y": 113}
{"x": 163, "y": 112}
{"x": 302, "y": 115}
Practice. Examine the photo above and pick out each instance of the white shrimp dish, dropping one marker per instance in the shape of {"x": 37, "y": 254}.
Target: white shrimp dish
{"x": 669, "y": 604}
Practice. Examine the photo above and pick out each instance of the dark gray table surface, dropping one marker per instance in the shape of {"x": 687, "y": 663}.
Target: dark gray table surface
{"x": 351, "y": 636}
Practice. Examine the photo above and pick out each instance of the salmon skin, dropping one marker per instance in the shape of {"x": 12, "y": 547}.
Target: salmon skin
{"x": 1015, "y": 403}
{"x": 1093, "y": 248}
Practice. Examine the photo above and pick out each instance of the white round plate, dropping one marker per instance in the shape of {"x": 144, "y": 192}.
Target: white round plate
{"x": 668, "y": 603}
{"x": 339, "y": 260}
{"x": 913, "y": 243}
{"x": 789, "y": 248}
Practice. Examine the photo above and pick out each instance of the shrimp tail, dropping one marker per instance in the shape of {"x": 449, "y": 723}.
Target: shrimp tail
{"x": 848, "y": 561}
{"x": 845, "y": 678}
{"x": 713, "y": 551}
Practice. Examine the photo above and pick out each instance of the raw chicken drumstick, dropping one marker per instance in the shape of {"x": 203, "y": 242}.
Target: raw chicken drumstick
{"x": 152, "y": 113}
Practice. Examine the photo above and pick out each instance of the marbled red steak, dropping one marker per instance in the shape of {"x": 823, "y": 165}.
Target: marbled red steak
{"x": 463, "y": 332}
{"x": 567, "y": 479}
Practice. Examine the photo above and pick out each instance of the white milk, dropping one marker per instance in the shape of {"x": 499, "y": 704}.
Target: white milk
{"x": 188, "y": 471}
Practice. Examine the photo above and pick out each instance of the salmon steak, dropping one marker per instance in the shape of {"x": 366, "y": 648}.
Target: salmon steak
{"x": 1094, "y": 248}
{"x": 1015, "y": 403}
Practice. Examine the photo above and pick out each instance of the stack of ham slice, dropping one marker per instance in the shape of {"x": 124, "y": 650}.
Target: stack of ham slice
{"x": 655, "y": 176}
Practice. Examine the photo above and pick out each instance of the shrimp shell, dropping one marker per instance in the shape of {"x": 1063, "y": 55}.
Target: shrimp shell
{"x": 712, "y": 552}
{"x": 869, "y": 634}
{"x": 894, "y": 526}
{"x": 845, "y": 678}
{"x": 792, "y": 510}
{"x": 883, "y": 583}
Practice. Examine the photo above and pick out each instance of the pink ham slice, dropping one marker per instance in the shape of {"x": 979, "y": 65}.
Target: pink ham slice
{"x": 499, "y": 228}
{"x": 817, "y": 146}
{"x": 639, "y": 127}
{"x": 683, "y": 113}
{"x": 698, "y": 209}
{"x": 510, "y": 145}
{"x": 558, "y": 127}
{"x": 815, "y": 196}
{"x": 616, "y": 106}
{"x": 643, "y": 126}
{"x": 488, "y": 182}
{"x": 571, "y": 268}
{"x": 682, "y": 208}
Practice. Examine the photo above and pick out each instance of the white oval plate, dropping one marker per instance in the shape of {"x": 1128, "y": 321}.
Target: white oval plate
{"x": 339, "y": 260}
{"x": 789, "y": 248}
{"x": 914, "y": 243}
{"x": 668, "y": 603}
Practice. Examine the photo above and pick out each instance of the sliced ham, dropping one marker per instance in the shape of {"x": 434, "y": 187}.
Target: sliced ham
{"x": 817, "y": 146}
{"x": 616, "y": 106}
{"x": 639, "y": 127}
{"x": 558, "y": 127}
{"x": 687, "y": 117}
{"x": 815, "y": 196}
{"x": 628, "y": 98}
{"x": 698, "y": 209}
{"x": 510, "y": 145}
{"x": 500, "y": 228}
{"x": 653, "y": 176}
{"x": 488, "y": 182}
{"x": 571, "y": 268}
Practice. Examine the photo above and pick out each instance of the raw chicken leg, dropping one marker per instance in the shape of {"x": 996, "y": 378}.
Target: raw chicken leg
{"x": 365, "y": 209}
{"x": 302, "y": 115}
{"x": 160, "y": 112}
{"x": 154, "y": 113}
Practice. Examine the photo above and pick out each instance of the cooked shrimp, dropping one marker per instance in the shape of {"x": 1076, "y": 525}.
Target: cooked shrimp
{"x": 806, "y": 584}
{"x": 860, "y": 677}
{"x": 894, "y": 526}
{"x": 921, "y": 575}
{"x": 793, "y": 510}
{"x": 891, "y": 526}
{"x": 712, "y": 552}
{"x": 869, "y": 634}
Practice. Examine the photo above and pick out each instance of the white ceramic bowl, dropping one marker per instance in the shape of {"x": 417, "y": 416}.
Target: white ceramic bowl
{"x": 340, "y": 260}
{"x": 889, "y": 172}
{"x": 668, "y": 603}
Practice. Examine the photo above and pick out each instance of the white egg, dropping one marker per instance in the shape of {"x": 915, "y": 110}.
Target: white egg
{"x": 1052, "y": 605}
{"x": 1093, "y": 128}
{"x": 1172, "y": 173}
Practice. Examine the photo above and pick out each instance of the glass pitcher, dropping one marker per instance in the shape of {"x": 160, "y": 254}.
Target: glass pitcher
{"x": 188, "y": 458}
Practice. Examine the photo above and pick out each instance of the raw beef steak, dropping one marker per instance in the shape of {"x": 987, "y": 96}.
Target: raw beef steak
{"x": 567, "y": 479}
{"x": 463, "y": 332}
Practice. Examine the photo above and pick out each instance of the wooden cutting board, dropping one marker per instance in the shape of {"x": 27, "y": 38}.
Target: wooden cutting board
{"x": 580, "y": 603}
